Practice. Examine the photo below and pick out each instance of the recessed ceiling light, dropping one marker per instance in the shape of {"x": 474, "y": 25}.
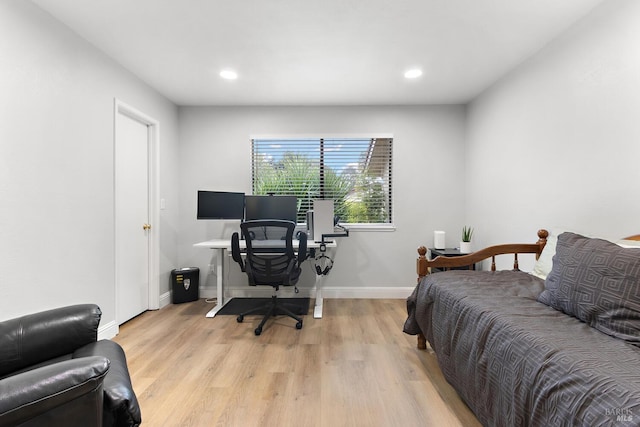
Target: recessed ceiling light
{"x": 412, "y": 74}
{"x": 228, "y": 74}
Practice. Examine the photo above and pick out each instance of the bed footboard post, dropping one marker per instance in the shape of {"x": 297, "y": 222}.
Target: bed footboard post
{"x": 421, "y": 263}
{"x": 542, "y": 241}
{"x": 422, "y": 270}
{"x": 422, "y": 342}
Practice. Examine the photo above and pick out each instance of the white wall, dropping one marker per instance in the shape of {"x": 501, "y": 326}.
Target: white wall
{"x": 428, "y": 178}
{"x": 56, "y": 165}
{"x": 557, "y": 142}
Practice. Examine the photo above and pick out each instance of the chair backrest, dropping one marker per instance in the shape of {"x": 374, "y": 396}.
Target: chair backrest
{"x": 270, "y": 255}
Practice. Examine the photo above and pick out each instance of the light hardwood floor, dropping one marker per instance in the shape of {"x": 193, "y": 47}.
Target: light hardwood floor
{"x": 353, "y": 367}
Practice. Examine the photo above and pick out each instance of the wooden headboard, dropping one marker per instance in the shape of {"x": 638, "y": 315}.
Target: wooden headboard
{"x": 423, "y": 265}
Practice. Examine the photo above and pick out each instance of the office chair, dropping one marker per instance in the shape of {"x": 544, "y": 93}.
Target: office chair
{"x": 270, "y": 260}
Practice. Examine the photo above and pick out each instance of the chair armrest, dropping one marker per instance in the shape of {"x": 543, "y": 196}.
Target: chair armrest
{"x": 235, "y": 251}
{"x": 302, "y": 247}
{"x": 32, "y": 393}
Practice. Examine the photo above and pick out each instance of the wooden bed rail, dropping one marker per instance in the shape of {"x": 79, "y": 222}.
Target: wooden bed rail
{"x": 423, "y": 265}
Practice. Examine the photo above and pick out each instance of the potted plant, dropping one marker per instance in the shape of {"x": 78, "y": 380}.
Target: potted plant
{"x": 465, "y": 244}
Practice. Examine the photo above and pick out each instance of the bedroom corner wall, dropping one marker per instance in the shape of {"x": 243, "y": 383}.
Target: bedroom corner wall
{"x": 556, "y": 143}
{"x": 56, "y": 165}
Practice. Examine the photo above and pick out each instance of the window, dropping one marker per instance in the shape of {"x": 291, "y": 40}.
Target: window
{"x": 354, "y": 172}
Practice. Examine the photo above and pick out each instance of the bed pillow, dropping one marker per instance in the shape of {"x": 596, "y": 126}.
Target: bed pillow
{"x": 598, "y": 282}
{"x": 544, "y": 263}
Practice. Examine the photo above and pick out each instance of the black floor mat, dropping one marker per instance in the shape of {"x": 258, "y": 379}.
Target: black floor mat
{"x": 300, "y": 306}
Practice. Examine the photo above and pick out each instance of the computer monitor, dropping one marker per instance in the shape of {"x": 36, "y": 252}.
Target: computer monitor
{"x": 271, "y": 207}
{"x": 220, "y": 205}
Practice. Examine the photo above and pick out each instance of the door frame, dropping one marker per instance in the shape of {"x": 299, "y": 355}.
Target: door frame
{"x": 153, "y": 159}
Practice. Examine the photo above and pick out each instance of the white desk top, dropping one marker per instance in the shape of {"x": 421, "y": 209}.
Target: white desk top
{"x": 226, "y": 244}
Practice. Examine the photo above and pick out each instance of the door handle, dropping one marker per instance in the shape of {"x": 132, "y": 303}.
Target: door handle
{"x": 146, "y": 227}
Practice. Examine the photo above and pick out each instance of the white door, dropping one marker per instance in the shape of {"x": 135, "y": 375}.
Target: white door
{"x": 132, "y": 226}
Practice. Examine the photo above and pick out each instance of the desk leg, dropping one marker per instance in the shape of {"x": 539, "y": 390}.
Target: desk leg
{"x": 219, "y": 285}
{"x": 317, "y": 310}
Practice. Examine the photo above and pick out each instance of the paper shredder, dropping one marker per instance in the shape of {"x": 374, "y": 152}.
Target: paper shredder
{"x": 185, "y": 283}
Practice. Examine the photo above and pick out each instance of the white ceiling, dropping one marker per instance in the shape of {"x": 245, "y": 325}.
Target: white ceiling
{"x": 322, "y": 52}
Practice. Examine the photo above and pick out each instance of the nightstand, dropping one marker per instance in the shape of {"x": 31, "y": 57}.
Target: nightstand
{"x": 449, "y": 252}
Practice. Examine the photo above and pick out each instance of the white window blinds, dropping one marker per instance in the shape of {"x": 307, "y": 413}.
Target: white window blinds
{"x": 355, "y": 173}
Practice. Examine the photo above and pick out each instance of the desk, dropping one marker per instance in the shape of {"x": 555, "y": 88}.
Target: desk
{"x": 222, "y": 245}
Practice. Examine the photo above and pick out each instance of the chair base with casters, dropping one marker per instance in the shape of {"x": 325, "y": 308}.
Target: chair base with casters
{"x": 273, "y": 308}
{"x": 270, "y": 261}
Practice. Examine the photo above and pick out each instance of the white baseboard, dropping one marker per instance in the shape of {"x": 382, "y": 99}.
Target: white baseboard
{"x": 207, "y": 292}
{"x": 367, "y": 293}
{"x": 387, "y": 292}
{"x": 108, "y": 331}
{"x": 165, "y": 299}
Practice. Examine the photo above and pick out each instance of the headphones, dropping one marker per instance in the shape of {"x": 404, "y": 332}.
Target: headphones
{"x": 328, "y": 265}
{"x": 323, "y": 263}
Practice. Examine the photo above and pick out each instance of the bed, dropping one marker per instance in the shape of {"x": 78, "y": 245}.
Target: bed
{"x": 555, "y": 347}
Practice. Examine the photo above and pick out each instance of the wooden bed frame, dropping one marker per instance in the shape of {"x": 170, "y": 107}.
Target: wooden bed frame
{"x": 424, "y": 266}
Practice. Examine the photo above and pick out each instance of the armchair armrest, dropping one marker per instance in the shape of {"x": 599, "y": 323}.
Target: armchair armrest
{"x": 121, "y": 406}
{"x": 74, "y": 385}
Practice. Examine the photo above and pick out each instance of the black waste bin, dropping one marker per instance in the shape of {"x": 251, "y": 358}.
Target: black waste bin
{"x": 185, "y": 283}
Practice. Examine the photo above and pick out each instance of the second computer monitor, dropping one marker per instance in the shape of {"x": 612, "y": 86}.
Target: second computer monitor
{"x": 271, "y": 207}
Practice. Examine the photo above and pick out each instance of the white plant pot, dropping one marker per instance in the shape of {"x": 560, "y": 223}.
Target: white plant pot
{"x": 465, "y": 247}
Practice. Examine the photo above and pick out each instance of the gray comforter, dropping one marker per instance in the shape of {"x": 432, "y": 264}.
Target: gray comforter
{"x": 518, "y": 362}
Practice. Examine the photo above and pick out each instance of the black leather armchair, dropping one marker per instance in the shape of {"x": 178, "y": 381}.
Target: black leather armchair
{"x": 54, "y": 372}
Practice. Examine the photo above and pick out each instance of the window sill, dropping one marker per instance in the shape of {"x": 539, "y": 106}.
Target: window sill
{"x": 370, "y": 227}
{"x": 356, "y": 227}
